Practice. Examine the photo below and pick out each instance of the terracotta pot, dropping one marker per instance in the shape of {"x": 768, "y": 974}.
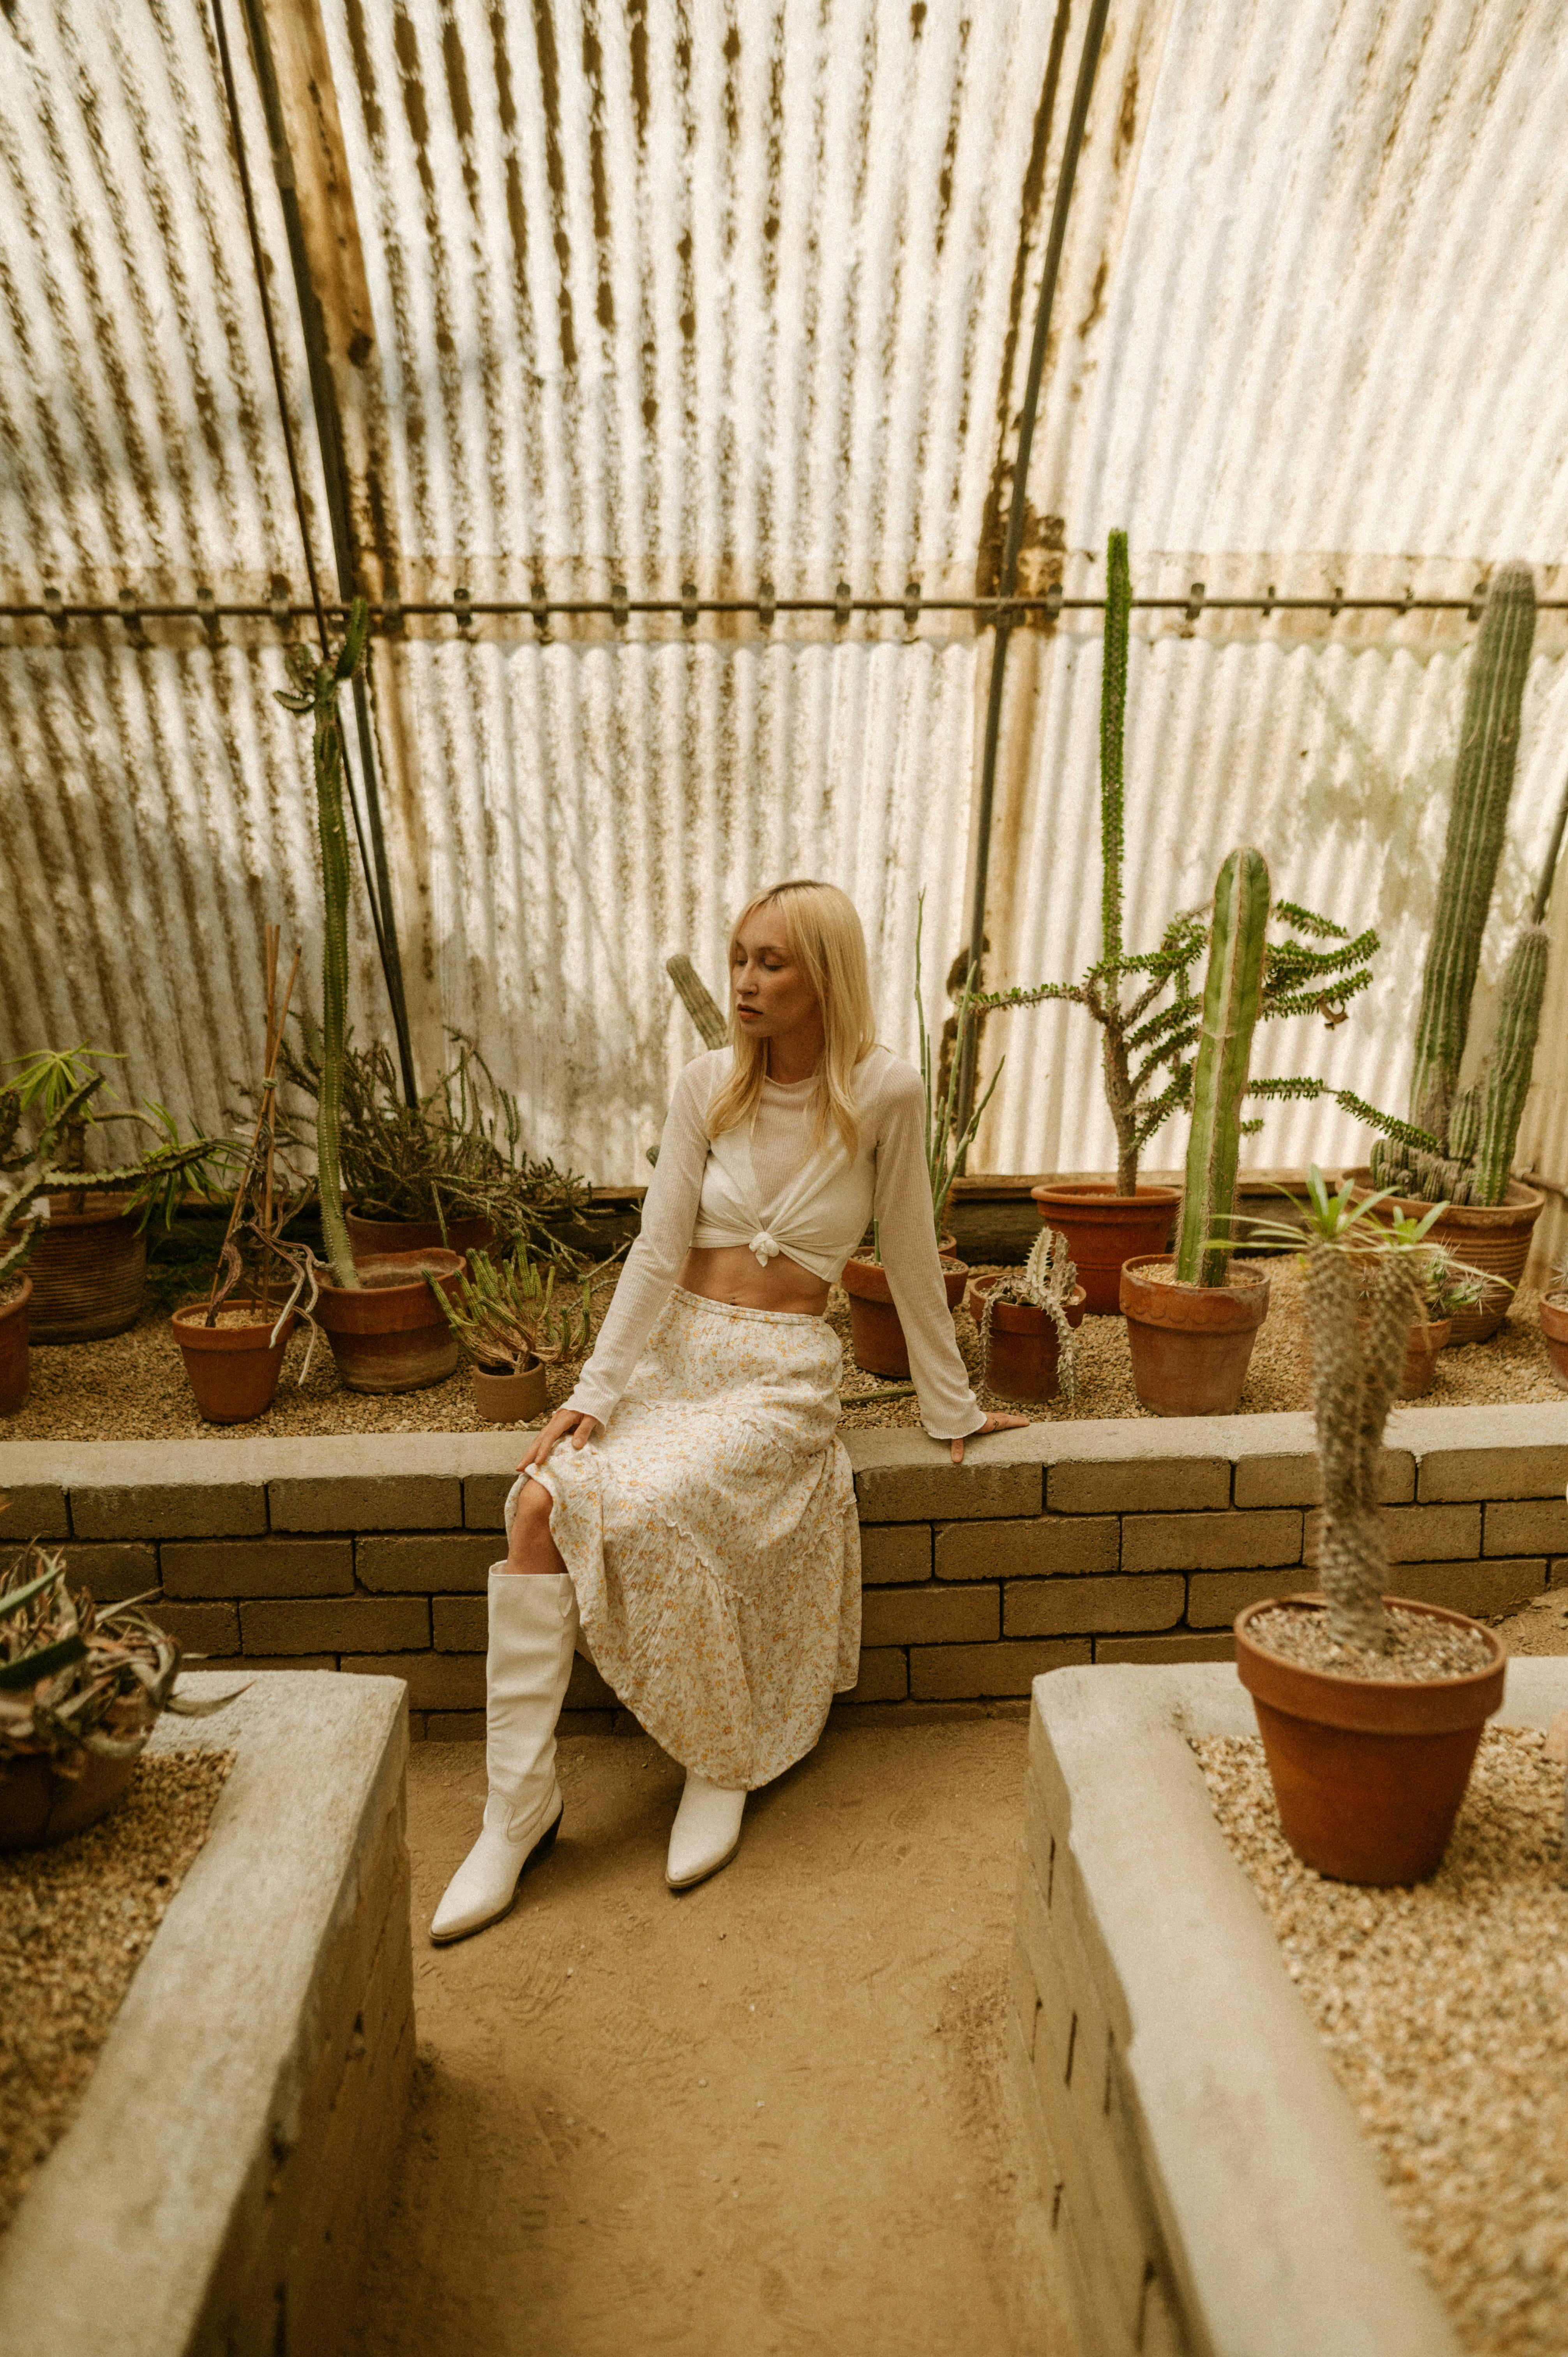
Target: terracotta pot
{"x": 875, "y": 1334}
{"x": 1024, "y": 1347}
{"x": 87, "y": 1270}
{"x": 1426, "y": 1340}
{"x": 1493, "y": 1236}
{"x": 37, "y": 1808}
{"x": 1104, "y": 1230}
{"x": 1369, "y": 1773}
{"x": 369, "y": 1239}
{"x": 386, "y": 1333}
{"x": 511, "y": 1398}
{"x": 13, "y": 1350}
{"x": 1555, "y": 1334}
{"x": 233, "y": 1369}
{"x": 1190, "y": 1344}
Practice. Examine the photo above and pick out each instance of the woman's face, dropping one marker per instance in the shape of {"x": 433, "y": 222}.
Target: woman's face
{"x": 772, "y": 995}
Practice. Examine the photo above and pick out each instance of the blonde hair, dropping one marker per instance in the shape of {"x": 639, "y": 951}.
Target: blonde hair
{"x": 822, "y": 934}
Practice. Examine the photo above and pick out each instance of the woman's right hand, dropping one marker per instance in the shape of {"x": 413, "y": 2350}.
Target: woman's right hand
{"x": 564, "y": 1420}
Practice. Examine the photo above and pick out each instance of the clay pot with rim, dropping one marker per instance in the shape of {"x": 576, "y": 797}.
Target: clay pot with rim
{"x": 370, "y": 1239}
{"x": 1105, "y": 1230}
{"x": 1025, "y": 1348}
{"x": 387, "y": 1333}
{"x": 509, "y": 1394}
{"x": 1493, "y": 1236}
{"x": 14, "y": 1347}
{"x": 1555, "y": 1334}
{"x": 1191, "y": 1344}
{"x": 877, "y": 1335}
{"x": 1428, "y": 1335}
{"x": 39, "y": 1808}
{"x": 1369, "y": 1774}
{"x": 233, "y": 1368}
{"x": 88, "y": 1270}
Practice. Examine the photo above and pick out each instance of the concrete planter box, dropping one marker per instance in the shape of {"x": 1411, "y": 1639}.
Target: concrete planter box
{"x": 216, "y": 2192}
{"x": 1211, "y": 2191}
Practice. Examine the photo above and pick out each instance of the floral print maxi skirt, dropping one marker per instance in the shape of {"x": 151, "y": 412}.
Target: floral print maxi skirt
{"x": 711, "y": 1534}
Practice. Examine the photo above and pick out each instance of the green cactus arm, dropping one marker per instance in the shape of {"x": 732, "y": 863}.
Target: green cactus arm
{"x": 1513, "y": 1057}
{"x": 1233, "y": 995}
{"x": 1172, "y": 1100}
{"x": 1170, "y": 1019}
{"x": 1316, "y": 1002}
{"x": 1309, "y": 1091}
{"x": 1112, "y": 726}
{"x": 1001, "y": 1001}
{"x": 1478, "y": 817}
{"x": 1185, "y": 1040}
{"x": 1307, "y": 920}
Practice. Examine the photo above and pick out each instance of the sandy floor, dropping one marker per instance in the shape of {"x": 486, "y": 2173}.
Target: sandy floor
{"x": 764, "y": 2117}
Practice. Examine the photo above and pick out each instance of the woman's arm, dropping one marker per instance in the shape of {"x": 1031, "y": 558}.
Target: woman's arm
{"x": 902, "y": 1205}
{"x": 669, "y": 1218}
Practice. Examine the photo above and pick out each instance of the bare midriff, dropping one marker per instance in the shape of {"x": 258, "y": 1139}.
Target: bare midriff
{"x": 733, "y": 1274}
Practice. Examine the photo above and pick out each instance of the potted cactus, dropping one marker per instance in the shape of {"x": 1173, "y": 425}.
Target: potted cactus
{"x": 1463, "y": 1138}
{"x": 513, "y": 1327}
{"x": 1448, "y": 1289}
{"x": 1370, "y": 1707}
{"x": 1148, "y": 1014}
{"x": 1029, "y": 1322}
{"x": 80, "y": 1691}
{"x": 385, "y": 1333}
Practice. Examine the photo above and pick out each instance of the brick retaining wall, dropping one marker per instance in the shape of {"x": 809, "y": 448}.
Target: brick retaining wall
{"x": 1134, "y": 1541}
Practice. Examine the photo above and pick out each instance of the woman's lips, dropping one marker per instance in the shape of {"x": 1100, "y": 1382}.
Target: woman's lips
{"x": 749, "y": 1013}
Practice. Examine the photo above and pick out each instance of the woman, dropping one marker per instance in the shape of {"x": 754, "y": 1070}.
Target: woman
{"x": 707, "y": 1544}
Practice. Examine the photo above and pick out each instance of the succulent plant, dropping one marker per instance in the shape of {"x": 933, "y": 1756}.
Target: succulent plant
{"x": 1046, "y": 1281}
{"x": 1232, "y": 999}
{"x": 507, "y": 1314}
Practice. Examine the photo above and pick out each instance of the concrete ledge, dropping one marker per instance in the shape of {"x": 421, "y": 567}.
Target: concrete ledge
{"x": 218, "y": 2188}
{"x": 1213, "y": 2192}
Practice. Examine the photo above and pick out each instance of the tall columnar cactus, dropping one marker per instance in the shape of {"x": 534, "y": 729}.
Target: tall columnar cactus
{"x": 1506, "y": 1081}
{"x": 1483, "y": 781}
{"x": 1112, "y": 724}
{"x": 315, "y": 692}
{"x": 1232, "y": 998}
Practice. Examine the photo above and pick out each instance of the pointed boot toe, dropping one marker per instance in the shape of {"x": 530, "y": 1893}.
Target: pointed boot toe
{"x": 706, "y": 1835}
{"x": 484, "y": 1885}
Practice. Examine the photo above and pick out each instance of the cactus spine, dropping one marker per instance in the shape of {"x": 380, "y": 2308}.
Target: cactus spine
{"x": 1483, "y": 781}
{"x": 1356, "y": 1369}
{"x": 1506, "y": 1082}
{"x": 1232, "y": 996}
{"x": 315, "y": 692}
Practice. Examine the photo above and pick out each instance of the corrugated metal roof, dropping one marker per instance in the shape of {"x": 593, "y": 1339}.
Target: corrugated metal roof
{"x": 655, "y": 292}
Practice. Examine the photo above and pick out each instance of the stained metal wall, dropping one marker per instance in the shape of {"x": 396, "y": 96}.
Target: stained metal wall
{"x": 653, "y": 293}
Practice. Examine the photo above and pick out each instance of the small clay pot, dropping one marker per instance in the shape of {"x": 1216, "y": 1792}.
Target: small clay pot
{"x": 233, "y": 1369}
{"x": 387, "y": 1333}
{"x": 1555, "y": 1334}
{"x": 1492, "y": 1236}
{"x": 14, "y": 1349}
{"x": 39, "y": 1808}
{"x": 88, "y": 1270}
{"x": 372, "y": 1239}
{"x": 1025, "y": 1348}
{"x": 505, "y": 1395}
{"x": 1190, "y": 1344}
{"x": 1104, "y": 1229}
{"x": 1369, "y": 1774}
{"x": 877, "y": 1335}
{"x": 1427, "y": 1338}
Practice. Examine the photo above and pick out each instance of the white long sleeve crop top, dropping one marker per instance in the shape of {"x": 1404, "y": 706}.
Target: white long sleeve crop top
{"x": 767, "y": 1187}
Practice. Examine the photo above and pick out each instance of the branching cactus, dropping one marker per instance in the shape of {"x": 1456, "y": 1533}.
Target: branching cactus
{"x": 1046, "y": 1281}
{"x": 1232, "y": 998}
{"x": 314, "y": 693}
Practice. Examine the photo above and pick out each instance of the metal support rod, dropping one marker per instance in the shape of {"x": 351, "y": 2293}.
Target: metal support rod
{"x": 329, "y": 437}
{"x": 1007, "y": 581}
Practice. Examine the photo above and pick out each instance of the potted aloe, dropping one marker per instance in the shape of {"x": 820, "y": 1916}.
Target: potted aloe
{"x": 877, "y": 1332}
{"x": 513, "y": 1327}
{"x": 1028, "y": 1322}
{"x": 80, "y": 1691}
{"x": 1369, "y": 1705}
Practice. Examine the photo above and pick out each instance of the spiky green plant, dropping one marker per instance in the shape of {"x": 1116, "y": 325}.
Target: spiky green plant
{"x": 945, "y": 1145}
{"x": 1149, "y": 1014}
{"x": 1046, "y": 1281}
{"x": 314, "y": 693}
{"x": 507, "y": 1314}
{"x": 1232, "y": 999}
{"x": 1506, "y": 1082}
{"x": 59, "y": 1087}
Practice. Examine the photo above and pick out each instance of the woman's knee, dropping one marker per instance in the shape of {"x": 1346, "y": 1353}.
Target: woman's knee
{"x": 534, "y": 1509}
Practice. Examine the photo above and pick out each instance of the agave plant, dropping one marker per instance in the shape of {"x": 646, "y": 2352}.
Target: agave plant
{"x": 508, "y": 1315}
{"x": 1046, "y": 1281}
{"x": 75, "y": 1680}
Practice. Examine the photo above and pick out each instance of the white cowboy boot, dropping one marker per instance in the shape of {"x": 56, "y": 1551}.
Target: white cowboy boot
{"x": 532, "y": 1628}
{"x": 706, "y": 1834}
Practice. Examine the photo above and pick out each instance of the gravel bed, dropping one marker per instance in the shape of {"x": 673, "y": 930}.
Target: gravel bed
{"x": 75, "y": 1921}
{"x": 1422, "y": 1647}
{"x": 1445, "y": 2012}
{"x": 133, "y": 1387}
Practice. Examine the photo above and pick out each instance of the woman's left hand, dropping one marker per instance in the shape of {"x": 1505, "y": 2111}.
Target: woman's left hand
{"x": 991, "y": 1423}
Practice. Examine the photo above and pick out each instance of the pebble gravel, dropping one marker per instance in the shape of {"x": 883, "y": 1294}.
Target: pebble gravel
{"x": 1443, "y": 2009}
{"x": 75, "y": 1921}
{"x": 1422, "y": 1647}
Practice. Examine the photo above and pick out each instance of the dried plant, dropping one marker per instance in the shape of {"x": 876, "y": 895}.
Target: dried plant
{"x": 1046, "y": 1281}
{"x": 508, "y": 1316}
{"x": 75, "y": 1680}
